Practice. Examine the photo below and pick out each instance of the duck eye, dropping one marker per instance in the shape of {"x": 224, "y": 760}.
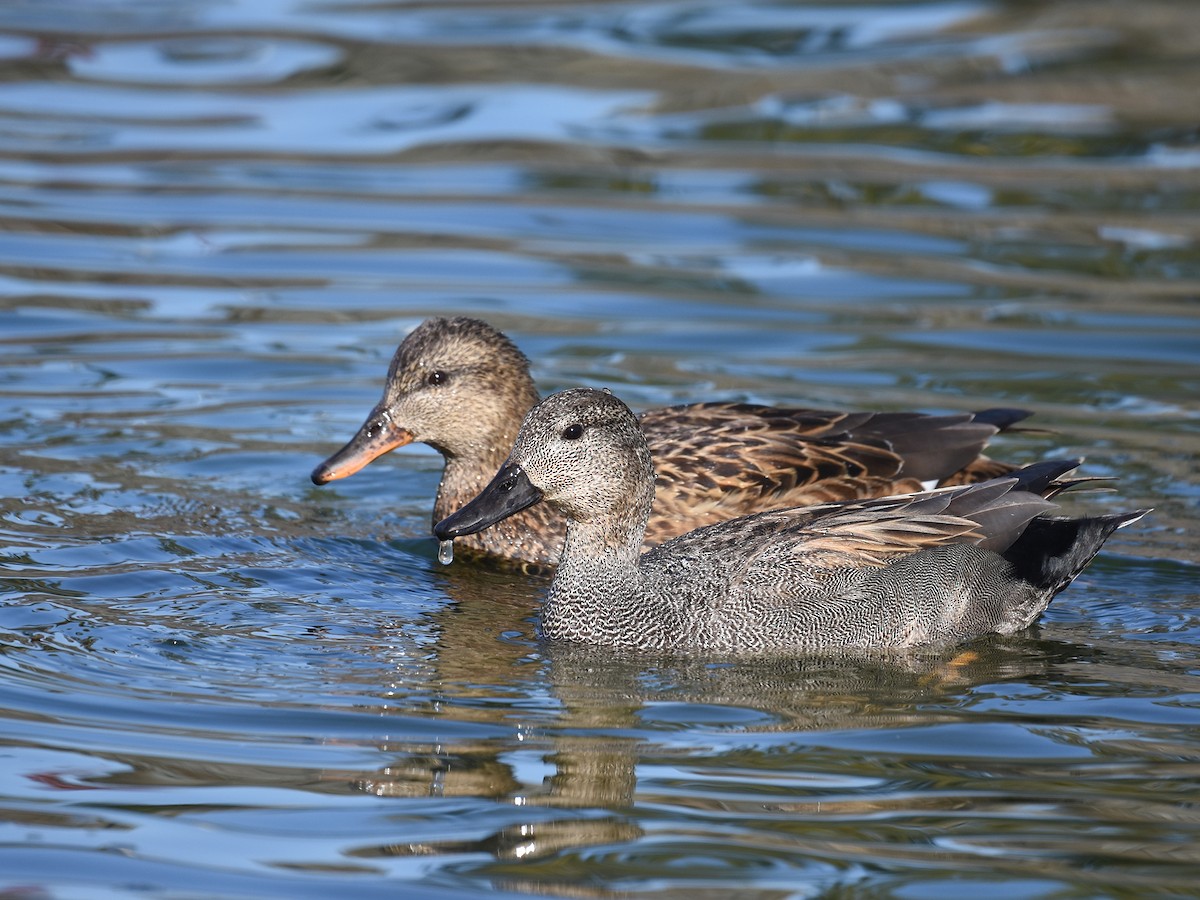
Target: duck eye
{"x": 573, "y": 432}
{"x": 438, "y": 377}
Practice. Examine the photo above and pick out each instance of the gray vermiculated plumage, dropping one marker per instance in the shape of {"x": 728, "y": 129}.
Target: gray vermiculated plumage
{"x": 928, "y": 568}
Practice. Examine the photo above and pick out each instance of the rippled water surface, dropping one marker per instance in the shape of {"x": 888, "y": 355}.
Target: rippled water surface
{"x": 217, "y": 219}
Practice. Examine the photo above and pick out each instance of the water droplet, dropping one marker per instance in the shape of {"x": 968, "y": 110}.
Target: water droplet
{"x": 446, "y": 552}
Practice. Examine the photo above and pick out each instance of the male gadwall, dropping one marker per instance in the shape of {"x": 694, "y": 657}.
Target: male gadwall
{"x": 463, "y": 387}
{"x": 930, "y": 568}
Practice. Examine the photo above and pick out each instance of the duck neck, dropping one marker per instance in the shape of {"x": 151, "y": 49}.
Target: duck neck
{"x": 462, "y": 480}
{"x": 473, "y": 461}
{"x": 603, "y": 550}
{"x": 610, "y": 535}
{"x": 599, "y": 594}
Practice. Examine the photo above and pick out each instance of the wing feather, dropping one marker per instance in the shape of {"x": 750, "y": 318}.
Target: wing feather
{"x": 716, "y": 461}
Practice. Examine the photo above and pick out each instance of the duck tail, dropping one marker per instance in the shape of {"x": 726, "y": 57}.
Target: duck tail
{"x": 1003, "y": 418}
{"x": 1053, "y": 550}
{"x": 932, "y": 447}
{"x": 1046, "y": 478}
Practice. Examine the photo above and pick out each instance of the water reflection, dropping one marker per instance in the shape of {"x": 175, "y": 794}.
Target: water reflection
{"x": 201, "y": 61}
{"x": 683, "y": 735}
{"x": 610, "y": 722}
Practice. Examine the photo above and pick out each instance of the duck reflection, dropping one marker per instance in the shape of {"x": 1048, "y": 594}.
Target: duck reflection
{"x": 585, "y": 719}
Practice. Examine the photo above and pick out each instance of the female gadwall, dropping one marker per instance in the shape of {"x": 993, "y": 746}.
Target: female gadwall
{"x": 936, "y": 567}
{"x": 462, "y": 387}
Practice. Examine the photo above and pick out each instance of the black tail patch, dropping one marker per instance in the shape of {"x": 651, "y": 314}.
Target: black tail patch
{"x": 1052, "y": 550}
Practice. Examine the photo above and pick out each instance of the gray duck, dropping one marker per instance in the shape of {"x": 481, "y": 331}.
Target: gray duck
{"x": 462, "y": 387}
{"x": 930, "y": 568}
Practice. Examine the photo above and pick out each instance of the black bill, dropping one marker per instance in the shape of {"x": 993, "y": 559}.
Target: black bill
{"x": 509, "y": 492}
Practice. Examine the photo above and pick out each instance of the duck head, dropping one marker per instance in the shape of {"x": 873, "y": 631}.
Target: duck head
{"x": 579, "y": 450}
{"x": 456, "y": 384}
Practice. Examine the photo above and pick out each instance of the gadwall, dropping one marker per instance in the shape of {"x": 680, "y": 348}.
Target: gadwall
{"x": 463, "y": 387}
{"x": 930, "y": 568}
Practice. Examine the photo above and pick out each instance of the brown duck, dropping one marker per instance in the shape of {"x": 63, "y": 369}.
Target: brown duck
{"x": 463, "y": 387}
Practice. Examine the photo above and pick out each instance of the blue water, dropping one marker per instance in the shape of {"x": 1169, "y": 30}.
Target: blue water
{"x": 218, "y": 219}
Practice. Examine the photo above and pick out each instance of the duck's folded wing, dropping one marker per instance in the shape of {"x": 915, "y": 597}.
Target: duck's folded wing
{"x": 720, "y": 460}
{"x": 869, "y": 534}
{"x": 784, "y": 547}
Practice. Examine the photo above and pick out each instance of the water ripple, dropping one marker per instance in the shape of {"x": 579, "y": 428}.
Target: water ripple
{"x": 218, "y": 219}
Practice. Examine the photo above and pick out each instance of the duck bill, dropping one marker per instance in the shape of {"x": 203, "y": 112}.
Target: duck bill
{"x": 376, "y": 437}
{"x": 508, "y": 493}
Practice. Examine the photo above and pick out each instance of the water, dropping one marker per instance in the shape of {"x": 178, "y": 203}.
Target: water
{"x": 218, "y": 219}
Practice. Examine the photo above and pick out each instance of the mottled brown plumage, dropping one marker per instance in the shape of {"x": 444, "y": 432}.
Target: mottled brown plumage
{"x": 462, "y": 387}
{"x": 935, "y": 567}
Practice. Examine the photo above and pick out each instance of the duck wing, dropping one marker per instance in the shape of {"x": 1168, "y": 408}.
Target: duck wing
{"x": 804, "y": 543}
{"x": 716, "y": 461}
